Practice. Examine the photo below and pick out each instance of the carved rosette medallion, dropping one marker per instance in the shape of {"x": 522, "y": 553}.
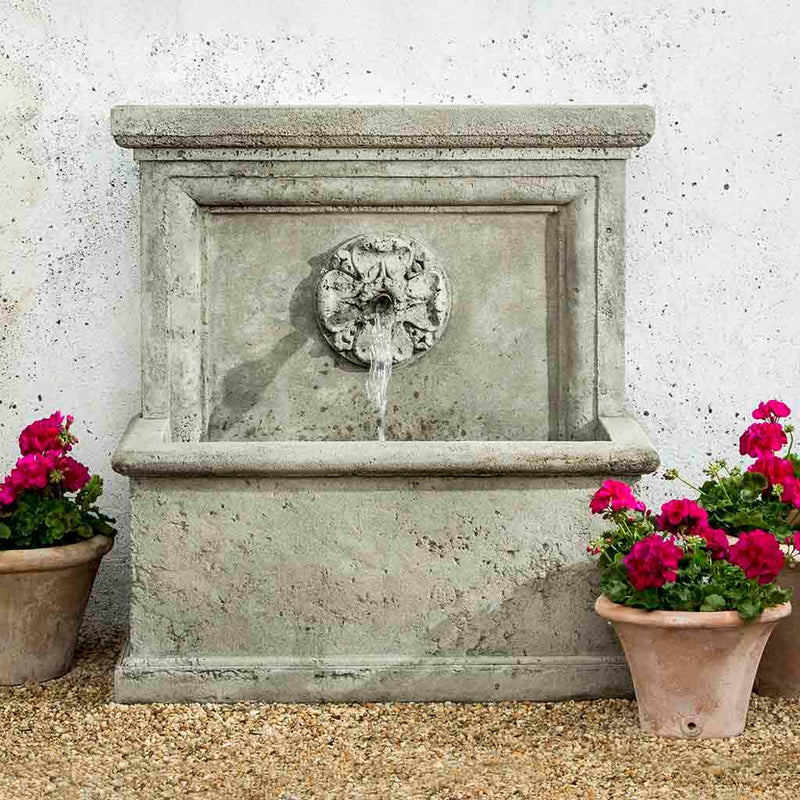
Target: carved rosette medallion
{"x": 372, "y": 274}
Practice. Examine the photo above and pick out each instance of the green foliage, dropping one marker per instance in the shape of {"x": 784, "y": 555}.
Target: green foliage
{"x": 44, "y": 518}
{"x": 702, "y": 583}
{"x": 739, "y": 501}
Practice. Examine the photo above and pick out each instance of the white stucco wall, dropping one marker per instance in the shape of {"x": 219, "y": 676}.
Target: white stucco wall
{"x": 713, "y": 246}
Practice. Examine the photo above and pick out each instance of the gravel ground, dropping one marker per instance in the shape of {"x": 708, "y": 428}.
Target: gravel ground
{"x": 68, "y": 740}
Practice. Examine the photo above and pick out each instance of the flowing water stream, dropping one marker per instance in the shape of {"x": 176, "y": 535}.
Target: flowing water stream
{"x": 380, "y": 368}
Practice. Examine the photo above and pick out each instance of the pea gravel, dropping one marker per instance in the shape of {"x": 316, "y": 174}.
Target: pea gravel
{"x": 67, "y": 739}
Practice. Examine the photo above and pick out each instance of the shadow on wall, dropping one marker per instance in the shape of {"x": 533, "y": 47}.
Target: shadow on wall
{"x": 243, "y": 386}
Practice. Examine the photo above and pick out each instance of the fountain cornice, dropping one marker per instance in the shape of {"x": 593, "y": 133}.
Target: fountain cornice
{"x": 410, "y": 126}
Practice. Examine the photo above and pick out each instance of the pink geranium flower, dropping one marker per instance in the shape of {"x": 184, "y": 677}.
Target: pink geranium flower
{"x": 8, "y": 492}
{"x": 716, "y": 541}
{"x": 44, "y": 444}
{"x": 33, "y": 471}
{"x": 652, "y": 562}
{"x": 682, "y": 516}
{"x": 72, "y": 475}
{"x": 775, "y": 470}
{"x": 762, "y": 438}
{"x": 50, "y": 433}
{"x": 791, "y": 492}
{"x": 759, "y": 555}
{"x": 772, "y": 410}
{"x": 617, "y": 495}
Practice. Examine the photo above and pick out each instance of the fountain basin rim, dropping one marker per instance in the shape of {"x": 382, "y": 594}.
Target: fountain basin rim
{"x": 145, "y": 450}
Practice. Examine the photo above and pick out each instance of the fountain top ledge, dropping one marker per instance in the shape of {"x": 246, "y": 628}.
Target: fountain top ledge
{"x": 411, "y": 126}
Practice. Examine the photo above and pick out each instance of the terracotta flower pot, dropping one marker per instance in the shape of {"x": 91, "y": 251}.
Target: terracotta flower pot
{"x": 779, "y": 672}
{"x": 43, "y": 594}
{"x": 692, "y": 671}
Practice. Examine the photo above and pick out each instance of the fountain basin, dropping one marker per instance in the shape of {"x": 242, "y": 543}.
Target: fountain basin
{"x": 305, "y": 571}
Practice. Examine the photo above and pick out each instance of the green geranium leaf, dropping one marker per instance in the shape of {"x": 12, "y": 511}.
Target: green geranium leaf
{"x": 102, "y": 527}
{"x": 715, "y": 602}
{"x": 754, "y": 481}
{"x": 615, "y": 589}
{"x": 90, "y": 493}
{"x": 748, "y": 609}
{"x": 748, "y": 519}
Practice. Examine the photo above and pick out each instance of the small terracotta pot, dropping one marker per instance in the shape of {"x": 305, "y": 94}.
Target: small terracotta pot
{"x": 692, "y": 671}
{"x": 43, "y": 594}
{"x": 779, "y": 672}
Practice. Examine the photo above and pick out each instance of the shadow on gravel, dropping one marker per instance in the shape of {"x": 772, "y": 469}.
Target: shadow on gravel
{"x": 91, "y": 677}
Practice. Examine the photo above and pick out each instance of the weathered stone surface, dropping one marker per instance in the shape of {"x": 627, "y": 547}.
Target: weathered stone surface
{"x": 231, "y": 347}
{"x": 146, "y": 449}
{"x": 354, "y": 567}
{"x": 323, "y": 588}
{"x": 450, "y": 564}
{"x": 382, "y": 126}
{"x": 211, "y": 680}
{"x": 396, "y": 570}
{"x": 271, "y": 375}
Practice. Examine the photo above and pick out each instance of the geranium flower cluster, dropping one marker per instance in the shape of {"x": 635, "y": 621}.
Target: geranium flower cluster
{"x": 758, "y": 555}
{"x": 44, "y": 462}
{"x": 652, "y": 559}
{"x": 762, "y": 440}
{"x": 616, "y": 496}
{"x": 686, "y": 518}
{"x": 723, "y": 550}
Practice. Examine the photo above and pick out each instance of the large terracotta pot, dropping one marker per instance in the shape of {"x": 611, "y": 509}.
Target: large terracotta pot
{"x": 692, "y": 671}
{"x": 779, "y": 672}
{"x": 43, "y": 594}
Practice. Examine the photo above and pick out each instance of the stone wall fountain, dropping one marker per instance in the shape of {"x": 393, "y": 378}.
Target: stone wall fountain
{"x": 471, "y": 259}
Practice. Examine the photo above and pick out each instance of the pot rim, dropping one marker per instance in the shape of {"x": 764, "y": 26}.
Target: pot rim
{"x": 615, "y": 612}
{"x": 44, "y": 559}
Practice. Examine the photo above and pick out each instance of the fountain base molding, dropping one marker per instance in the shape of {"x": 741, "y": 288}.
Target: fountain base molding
{"x": 276, "y": 553}
{"x": 383, "y": 679}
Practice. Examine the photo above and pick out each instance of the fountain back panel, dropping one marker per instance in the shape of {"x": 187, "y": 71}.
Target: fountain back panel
{"x": 281, "y": 550}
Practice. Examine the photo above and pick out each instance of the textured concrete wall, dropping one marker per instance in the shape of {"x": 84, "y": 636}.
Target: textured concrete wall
{"x": 713, "y": 251}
